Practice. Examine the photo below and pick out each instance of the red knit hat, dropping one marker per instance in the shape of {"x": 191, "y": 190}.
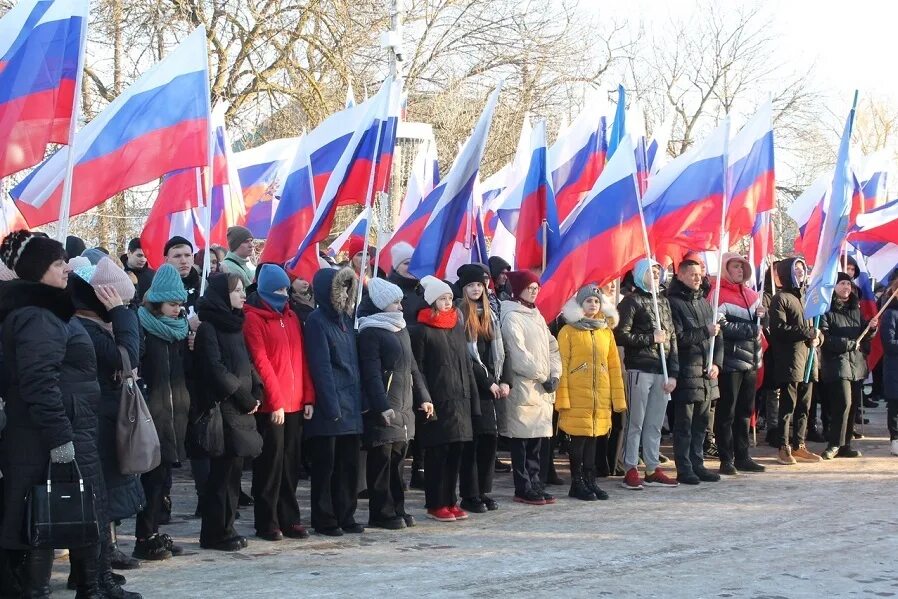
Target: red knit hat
{"x": 521, "y": 280}
{"x": 355, "y": 245}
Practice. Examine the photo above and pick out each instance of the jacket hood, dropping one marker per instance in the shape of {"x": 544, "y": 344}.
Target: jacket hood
{"x": 572, "y": 311}
{"x": 256, "y": 305}
{"x": 336, "y": 291}
{"x": 746, "y": 267}
{"x": 786, "y": 272}
{"x": 497, "y": 265}
{"x": 643, "y": 269}
{"x": 20, "y": 293}
{"x": 85, "y": 298}
{"x": 513, "y": 306}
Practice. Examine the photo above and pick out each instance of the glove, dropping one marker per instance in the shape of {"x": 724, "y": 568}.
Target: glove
{"x": 64, "y": 454}
{"x": 852, "y": 345}
{"x": 551, "y": 385}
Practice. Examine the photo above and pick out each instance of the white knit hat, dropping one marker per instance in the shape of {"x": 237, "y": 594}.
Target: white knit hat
{"x": 400, "y": 252}
{"x": 434, "y": 288}
{"x": 383, "y": 293}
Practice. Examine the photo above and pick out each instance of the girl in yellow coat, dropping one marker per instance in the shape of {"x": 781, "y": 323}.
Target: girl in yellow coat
{"x": 591, "y": 384}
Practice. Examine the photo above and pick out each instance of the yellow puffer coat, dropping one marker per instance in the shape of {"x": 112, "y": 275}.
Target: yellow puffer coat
{"x": 591, "y": 384}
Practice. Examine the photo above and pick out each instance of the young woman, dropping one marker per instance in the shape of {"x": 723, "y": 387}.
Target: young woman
{"x": 440, "y": 347}
{"x": 52, "y": 376}
{"x": 336, "y": 425}
{"x": 223, "y": 364}
{"x": 488, "y": 359}
{"x": 162, "y": 368}
{"x": 843, "y": 366}
{"x": 101, "y": 295}
{"x": 393, "y": 388}
{"x": 274, "y": 339}
{"x": 536, "y": 367}
{"x": 591, "y": 385}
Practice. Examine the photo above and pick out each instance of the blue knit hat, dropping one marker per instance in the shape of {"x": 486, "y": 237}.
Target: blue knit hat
{"x": 271, "y": 278}
{"x": 166, "y": 286}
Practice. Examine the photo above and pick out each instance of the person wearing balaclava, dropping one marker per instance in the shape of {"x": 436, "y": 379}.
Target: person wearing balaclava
{"x": 275, "y": 342}
{"x": 642, "y": 338}
{"x": 793, "y": 342}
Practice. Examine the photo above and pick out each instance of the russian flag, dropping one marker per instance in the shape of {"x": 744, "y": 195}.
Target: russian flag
{"x": 490, "y": 190}
{"x": 383, "y": 167}
{"x": 807, "y": 212}
{"x": 601, "y": 238}
{"x": 175, "y": 212}
{"x": 524, "y": 212}
{"x": 158, "y": 125}
{"x": 41, "y": 53}
{"x": 262, "y": 171}
{"x": 344, "y": 168}
{"x": 576, "y": 160}
{"x": 835, "y": 228}
{"x": 424, "y": 176}
{"x": 752, "y": 180}
{"x": 761, "y": 245}
{"x": 227, "y": 204}
{"x": 453, "y": 199}
{"x": 356, "y": 230}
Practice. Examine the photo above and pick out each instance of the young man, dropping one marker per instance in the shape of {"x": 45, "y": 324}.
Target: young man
{"x": 695, "y": 326}
{"x": 135, "y": 264}
{"x": 179, "y": 253}
{"x": 641, "y": 337}
{"x": 236, "y": 261}
{"x": 793, "y": 340}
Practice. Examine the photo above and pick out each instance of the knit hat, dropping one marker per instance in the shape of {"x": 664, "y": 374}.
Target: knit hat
{"x": 30, "y": 254}
{"x": 519, "y": 280}
{"x": 383, "y": 293}
{"x": 79, "y": 262}
{"x": 176, "y": 241}
{"x": 434, "y": 288}
{"x": 6, "y": 274}
{"x": 270, "y": 278}
{"x": 587, "y": 292}
{"x": 94, "y": 255}
{"x": 843, "y": 276}
{"x": 355, "y": 246}
{"x": 107, "y": 273}
{"x": 166, "y": 286}
{"x": 74, "y": 246}
{"x": 472, "y": 273}
{"x": 400, "y": 252}
{"x": 497, "y": 266}
{"x": 237, "y": 235}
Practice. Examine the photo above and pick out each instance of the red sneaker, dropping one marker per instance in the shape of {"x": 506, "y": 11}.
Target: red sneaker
{"x": 459, "y": 513}
{"x": 631, "y": 480}
{"x": 659, "y": 479}
{"x": 441, "y": 514}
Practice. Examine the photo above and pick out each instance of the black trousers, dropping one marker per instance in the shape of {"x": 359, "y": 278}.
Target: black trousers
{"x": 608, "y": 447}
{"x": 276, "y": 473}
{"x": 844, "y": 400}
{"x": 335, "y": 464}
{"x": 733, "y": 417}
{"x": 795, "y": 401}
{"x": 582, "y": 455}
{"x": 525, "y": 464}
{"x": 547, "y": 453}
{"x": 441, "y": 467}
{"x": 892, "y": 418}
{"x": 386, "y": 499}
{"x": 690, "y": 428}
{"x": 478, "y": 463}
{"x": 153, "y": 482}
{"x": 220, "y": 499}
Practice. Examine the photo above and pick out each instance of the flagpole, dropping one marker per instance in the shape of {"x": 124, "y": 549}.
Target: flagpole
{"x": 545, "y": 227}
{"x": 363, "y": 267}
{"x": 381, "y": 217}
{"x": 5, "y": 216}
{"x": 207, "y": 188}
{"x": 722, "y": 241}
{"x": 65, "y": 204}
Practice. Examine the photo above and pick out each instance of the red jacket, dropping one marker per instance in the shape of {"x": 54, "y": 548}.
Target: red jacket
{"x": 275, "y": 344}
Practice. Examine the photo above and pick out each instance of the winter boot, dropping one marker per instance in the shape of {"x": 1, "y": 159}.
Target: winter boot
{"x": 579, "y": 490}
{"x": 109, "y": 586}
{"x": 84, "y": 567}
{"x": 589, "y": 477}
{"x": 38, "y": 566}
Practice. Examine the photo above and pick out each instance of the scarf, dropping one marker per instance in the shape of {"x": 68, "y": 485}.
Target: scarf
{"x": 497, "y": 348}
{"x": 525, "y": 304}
{"x": 589, "y": 324}
{"x": 91, "y": 316}
{"x": 166, "y": 328}
{"x": 443, "y": 320}
{"x": 390, "y": 321}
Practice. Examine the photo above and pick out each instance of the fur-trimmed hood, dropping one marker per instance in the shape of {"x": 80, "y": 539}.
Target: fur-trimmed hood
{"x": 20, "y": 293}
{"x": 572, "y": 312}
{"x": 336, "y": 291}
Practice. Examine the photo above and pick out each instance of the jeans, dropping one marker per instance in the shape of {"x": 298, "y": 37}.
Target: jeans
{"x": 691, "y": 424}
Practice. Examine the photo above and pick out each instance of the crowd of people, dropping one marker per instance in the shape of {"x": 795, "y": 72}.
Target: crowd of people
{"x": 304, "y": 380}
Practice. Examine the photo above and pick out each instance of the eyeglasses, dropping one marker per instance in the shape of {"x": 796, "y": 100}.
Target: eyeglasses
{"x": 533, "y": 288}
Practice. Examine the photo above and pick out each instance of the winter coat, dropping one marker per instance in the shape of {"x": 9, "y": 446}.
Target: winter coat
{"x": 789, "y": 330}
{"x": 691, "y": 316}
{"x": 443, "y": 359}
{"x": 533, "y": 358}
{"x": 840, "y": 357}
{"x": 274, "y": 340}
{"x": 52, "y": 398}
{"x": 636, "y": 333}
{"x": 888, "y": 333}
{"x": 162, "y": 369}
{"x": 141, "y": 277}
{"x": 192, "y": 283}
{"x": 769, "y": 374}
{"x": 591, "y": 385}
{"x": 333, "y": 356}
{"x": 228, "y": 377}
{"x": 124, "y": 492}
{"x": 390, "y": 381}
{"x": 412, "y": 296}
{"x": 738, "y": 309}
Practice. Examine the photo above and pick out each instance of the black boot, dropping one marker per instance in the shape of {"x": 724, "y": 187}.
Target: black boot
{"x": 579, "y": 490}
{"x": 109, "y": 585}
{"x": 38, "y": 566}
{"x": 417, "y": 481}
{"x": 84, "y": 568}
{"x": 589, "y": 477}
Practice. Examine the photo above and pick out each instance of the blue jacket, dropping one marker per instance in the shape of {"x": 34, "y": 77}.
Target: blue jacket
{"x": 333, "y": 356}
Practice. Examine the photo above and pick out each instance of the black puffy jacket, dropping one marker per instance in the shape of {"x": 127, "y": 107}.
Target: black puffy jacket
{"x": 635, "y": 333}
{"x": 841, "y": 358}
{"x": 691, "y": 315}
{"x": 789, "y": 330}
{"x": 412, "y": 296}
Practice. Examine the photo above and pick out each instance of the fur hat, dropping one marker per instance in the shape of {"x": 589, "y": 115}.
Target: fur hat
{"x": 519, "y": 280}
{"x": 174, "y": 242}
{"x": 30, "y": 254}
{"x": 166, "y": 286}
{"x": 237, "y": 235}
{"x": 434, "y": 288}
{"x": 383, "y": 293}
{"x": 400, "y": 252}
{"x": 472, "y": 273}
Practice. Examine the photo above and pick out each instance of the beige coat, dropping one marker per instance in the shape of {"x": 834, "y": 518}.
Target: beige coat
{"x": 533, "y": 355}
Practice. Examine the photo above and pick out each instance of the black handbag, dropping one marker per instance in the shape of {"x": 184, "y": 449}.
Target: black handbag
{"x": 207, "y": 433}
{"x": 62, "y": 514}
